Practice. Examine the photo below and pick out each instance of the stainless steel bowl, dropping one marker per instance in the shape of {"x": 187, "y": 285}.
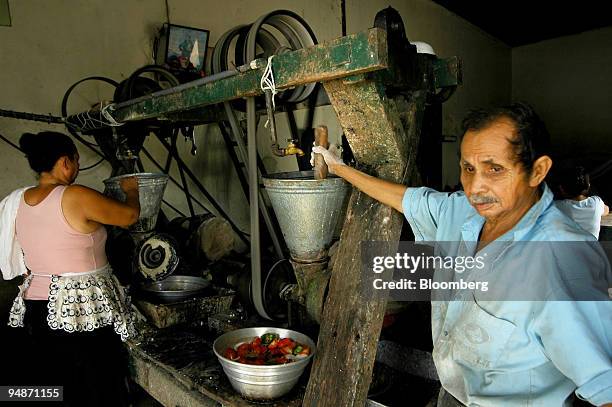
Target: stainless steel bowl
{"x": 175, "y": 288}
{"x": 261, "y": 382}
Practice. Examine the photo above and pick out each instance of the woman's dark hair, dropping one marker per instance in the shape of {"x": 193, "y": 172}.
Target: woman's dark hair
{"x": 574, "y": 182}
{"x": 44, "y": 149}
{"x": 531, "y": 140}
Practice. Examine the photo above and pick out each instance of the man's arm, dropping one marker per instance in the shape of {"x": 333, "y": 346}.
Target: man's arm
{"x": 389, "y": 193}
{"x": 422, "y": 207}
{"x": 576, "y": 337}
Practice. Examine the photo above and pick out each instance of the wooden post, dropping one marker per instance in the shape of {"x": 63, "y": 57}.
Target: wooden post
{"x": 383, "y": 133}
{"x": 320, "y": 167}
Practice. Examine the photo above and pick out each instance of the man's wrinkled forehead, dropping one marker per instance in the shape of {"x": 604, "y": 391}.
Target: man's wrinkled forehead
{"x": 490, "y": 144}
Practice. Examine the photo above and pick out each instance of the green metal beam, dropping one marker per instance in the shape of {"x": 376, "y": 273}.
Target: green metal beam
{"x": 447, "y": 72}
{"x": 362, "y": 52}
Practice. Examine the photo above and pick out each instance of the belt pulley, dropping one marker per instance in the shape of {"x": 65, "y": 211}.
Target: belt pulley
{"x": 272, "y": 34}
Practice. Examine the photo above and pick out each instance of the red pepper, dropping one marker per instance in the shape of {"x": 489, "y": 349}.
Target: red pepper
{"x": 258, "y": 349}
{"x": 230, "y": 354}
{"x": 275, "y": 352}
{"x": 287, "y": 350}
{"x": 244, "y": 349}
{"x": 285, "y": 342}
{"x": 255, "y": 353}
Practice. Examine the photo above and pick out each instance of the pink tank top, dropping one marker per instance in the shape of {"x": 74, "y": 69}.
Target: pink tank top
{"x": 51, "y": 246}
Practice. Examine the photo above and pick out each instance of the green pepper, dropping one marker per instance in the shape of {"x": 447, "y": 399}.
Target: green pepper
{"x": 297, "y": 349}
{"x": 267, "y": 338}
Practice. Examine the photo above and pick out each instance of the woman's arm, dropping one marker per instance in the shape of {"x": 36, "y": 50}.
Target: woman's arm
{"x": 85, "y": 208}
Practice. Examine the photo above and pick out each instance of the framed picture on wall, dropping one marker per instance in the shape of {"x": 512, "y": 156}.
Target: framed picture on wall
{"x": 183, "y": 49}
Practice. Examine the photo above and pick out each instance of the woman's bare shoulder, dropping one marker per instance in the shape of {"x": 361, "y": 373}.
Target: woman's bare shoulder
{"x": 81, "y": 192}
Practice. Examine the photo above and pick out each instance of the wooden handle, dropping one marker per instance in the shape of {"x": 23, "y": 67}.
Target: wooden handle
{"x": 320, "y": 168}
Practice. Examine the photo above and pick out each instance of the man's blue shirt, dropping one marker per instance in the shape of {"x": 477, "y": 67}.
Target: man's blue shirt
{"x": 491, "y": 350}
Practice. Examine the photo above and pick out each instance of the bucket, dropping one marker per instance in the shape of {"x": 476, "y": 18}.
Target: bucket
{"x": 151, "y": 189}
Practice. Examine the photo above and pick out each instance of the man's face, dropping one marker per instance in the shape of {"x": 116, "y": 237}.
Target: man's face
{"x": 495, "y": 183}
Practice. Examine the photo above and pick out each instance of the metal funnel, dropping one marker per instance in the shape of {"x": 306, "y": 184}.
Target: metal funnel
{"x": 308, "y": 210}
{"x": 151, "y": 189}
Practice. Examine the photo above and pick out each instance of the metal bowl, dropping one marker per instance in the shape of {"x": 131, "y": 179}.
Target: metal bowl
{"x": 261, "y": 382}
{"x": 175, "y": 288}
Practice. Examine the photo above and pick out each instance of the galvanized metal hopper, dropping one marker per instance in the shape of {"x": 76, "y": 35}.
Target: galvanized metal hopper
{"x": 151, "y": 187}
{"x": 308, "y": 210}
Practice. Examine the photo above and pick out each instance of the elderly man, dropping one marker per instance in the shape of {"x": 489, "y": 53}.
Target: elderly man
{"x": 533, "y": 352}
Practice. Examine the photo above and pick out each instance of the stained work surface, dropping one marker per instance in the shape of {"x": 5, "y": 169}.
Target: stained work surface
{"x": 182, "y": 361}
{"x": 166, "y": 315}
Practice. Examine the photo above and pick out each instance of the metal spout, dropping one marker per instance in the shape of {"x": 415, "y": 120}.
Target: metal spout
{"x": 293, "y": 149}
{"x": 290, "y": 150}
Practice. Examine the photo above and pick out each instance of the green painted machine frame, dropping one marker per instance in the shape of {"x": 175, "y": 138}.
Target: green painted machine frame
{"x": 343, "y": 57}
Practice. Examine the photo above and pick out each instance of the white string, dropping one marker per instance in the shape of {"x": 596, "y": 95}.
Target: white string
{"x": 267, "y": 84}
{"x": 107, "y": 115}
{"x": 87, "y": 121}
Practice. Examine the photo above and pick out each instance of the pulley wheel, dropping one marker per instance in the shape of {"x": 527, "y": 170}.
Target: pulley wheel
{"x": 279, "y": 275}
{"x": 156, "y": 257}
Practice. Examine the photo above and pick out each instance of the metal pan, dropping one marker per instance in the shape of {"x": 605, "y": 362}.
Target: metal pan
{"x": 175, "y": 288}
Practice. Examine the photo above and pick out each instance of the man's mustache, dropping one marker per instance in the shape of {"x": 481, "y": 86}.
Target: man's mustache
{"x": 482, "y": 199}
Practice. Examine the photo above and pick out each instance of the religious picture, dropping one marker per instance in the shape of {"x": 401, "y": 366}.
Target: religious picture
{"x": 186, "y": 48}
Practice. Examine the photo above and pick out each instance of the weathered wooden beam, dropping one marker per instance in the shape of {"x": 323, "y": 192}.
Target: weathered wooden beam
{"x": 383, "y": 133}
{"x": 362, "y": 52}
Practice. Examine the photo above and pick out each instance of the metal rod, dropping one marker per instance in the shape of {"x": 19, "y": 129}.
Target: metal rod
{"x": 169, "y": 158}
{"x": 185, "y": 186}
{"x": 176, "y": 89}
{"x": 172, "y": 179}
{"x": 31, "y": 116}
{"x": 139, "y": 164}
{"x": 271, "y": 118}
{"x": 11, "y": 143}
{"x": 343, "y": 17}
{"x": 203, "y": 190}
{"x": 231, "y": 150}
{"x": 173, "y": 208}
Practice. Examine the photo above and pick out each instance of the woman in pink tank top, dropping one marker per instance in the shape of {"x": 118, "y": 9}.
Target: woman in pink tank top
{"x": 70, "y": 306}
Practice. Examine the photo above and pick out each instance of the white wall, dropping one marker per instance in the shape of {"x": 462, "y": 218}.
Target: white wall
{"x": 568, "y": 81}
